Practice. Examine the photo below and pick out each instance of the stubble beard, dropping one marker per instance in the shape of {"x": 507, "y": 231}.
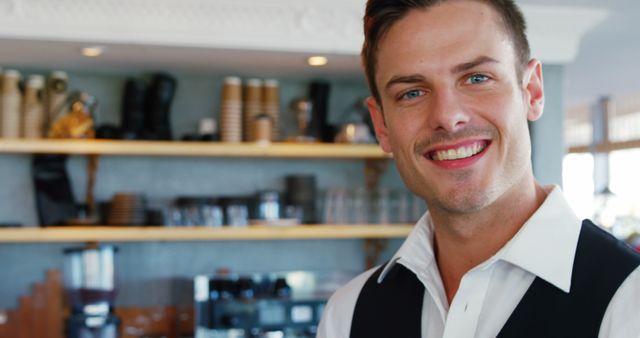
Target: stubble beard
{"x": 464, "y": 197}
{"x": 460, "y": 200}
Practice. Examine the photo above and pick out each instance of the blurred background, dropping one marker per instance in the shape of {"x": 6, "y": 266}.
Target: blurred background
{"x": 184, "y": 97}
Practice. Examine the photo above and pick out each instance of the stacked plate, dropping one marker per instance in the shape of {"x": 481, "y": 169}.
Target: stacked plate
{"x": 127, "y": 209}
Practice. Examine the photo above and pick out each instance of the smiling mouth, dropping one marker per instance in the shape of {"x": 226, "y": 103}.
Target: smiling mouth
{"x": 458, "y": 153}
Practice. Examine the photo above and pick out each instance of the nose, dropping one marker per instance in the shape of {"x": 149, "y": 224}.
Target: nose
{"x": 446, "y": 112}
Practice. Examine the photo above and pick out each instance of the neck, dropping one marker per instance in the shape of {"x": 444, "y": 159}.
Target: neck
{"x": 463, "y": 241}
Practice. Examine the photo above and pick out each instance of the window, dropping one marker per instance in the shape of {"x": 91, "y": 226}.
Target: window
{"x": 611, "y": 129}
{"x": 577, "y": 181}
{"x": 623, "y": 180}
{"x": 624, "y": 119}
{"x": 578, "y": 127}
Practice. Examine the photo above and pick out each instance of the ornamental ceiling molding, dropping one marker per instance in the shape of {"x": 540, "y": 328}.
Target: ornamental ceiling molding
{"x": 328, "y": 26}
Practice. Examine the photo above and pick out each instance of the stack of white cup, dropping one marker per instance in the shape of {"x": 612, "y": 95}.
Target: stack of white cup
{"x": 11, "y": 104}
{"x": 252, "y": 107}
{"x": 33, "y": 113}
{"x": 271, "y": 105}
{"x": 231, "y": 110}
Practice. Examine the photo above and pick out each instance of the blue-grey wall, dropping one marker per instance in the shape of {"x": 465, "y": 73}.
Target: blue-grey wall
{"x": 548, "y": 132}
{"x": 146, "y": 270}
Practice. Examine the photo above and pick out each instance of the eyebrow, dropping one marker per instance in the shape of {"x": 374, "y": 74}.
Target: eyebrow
{"x": 463, "y": 67}
{"x": 414, "y": 78}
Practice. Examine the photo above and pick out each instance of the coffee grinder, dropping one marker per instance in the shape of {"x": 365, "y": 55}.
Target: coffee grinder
{"x": 89, "y": 281}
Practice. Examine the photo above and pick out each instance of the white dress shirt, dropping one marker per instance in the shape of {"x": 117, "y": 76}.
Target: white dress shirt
{"x": 544, "y": 247}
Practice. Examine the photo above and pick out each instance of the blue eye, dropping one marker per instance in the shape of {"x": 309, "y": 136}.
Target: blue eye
{"x": 412, "y": 94}
{"x": 477, "y": 78}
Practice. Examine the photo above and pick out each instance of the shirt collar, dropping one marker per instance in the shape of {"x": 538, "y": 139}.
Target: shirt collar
{"x": 546, "y": 243}
{"x": 544, "y": 246}
{"x": 416, "y": 253}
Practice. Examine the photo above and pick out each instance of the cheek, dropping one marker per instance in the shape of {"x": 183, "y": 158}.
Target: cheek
{"x": 505, "y": 115}
{"x": 404, "y": 128}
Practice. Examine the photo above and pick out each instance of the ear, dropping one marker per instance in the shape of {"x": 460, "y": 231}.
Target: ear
{"x": 379, "y": 124}
{"x": 534, "y": 87}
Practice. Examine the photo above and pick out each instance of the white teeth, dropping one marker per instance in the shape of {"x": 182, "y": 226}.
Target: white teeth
{"x": 459, "y": 153}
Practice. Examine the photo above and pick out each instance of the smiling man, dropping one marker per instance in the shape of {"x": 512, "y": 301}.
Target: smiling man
{"x": 497, "y": 255}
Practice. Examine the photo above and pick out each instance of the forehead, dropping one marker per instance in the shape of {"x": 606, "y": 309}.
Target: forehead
{"x": 444, "y": 35}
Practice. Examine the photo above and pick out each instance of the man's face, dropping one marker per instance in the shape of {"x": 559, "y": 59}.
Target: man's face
{"x": 453, "y": 111}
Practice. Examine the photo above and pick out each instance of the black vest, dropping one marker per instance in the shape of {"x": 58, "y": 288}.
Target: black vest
{"x": 393, "y": 309}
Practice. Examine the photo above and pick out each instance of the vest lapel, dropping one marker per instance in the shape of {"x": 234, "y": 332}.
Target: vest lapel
{"x": 601, "y": 264}
{"x": 391, "y": 309}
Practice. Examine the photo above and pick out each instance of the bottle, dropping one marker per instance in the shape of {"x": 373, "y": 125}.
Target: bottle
{"x": 78, "y": 121}
{"x": 11, "y": 102}
{"x": 33, "y": 108}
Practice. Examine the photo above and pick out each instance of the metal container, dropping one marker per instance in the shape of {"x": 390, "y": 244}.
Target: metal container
{"x": 89, "y": 278}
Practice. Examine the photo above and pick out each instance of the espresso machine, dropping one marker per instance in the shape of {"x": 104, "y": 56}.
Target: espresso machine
{"x": 262, "y": 305}
{"x": 89, "y": 282}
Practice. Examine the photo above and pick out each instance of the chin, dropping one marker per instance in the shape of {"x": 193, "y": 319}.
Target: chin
{"x": 464, "y": 202}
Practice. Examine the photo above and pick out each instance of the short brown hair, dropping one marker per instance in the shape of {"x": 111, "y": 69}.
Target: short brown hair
{"x": 380, "y": 15}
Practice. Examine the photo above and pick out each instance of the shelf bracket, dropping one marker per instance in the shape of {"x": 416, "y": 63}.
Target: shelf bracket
{"x": 373, "y": 171}
{"x": 373, "y": 248}
{"x": 92, "y": 168}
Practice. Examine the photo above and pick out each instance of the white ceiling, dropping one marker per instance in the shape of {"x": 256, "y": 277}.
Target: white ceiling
{"x": 119, "y": 57}
{"x": 609, "y": 54}
{"x": 606, "y": 62}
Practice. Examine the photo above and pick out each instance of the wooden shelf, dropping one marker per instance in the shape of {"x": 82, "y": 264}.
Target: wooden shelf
{"x": 197, "y": 149}
{"x": 146, "y": 234}
{"x": 606, "y": 147}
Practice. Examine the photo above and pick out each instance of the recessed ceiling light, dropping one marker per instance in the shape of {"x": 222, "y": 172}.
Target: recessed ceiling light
{"x": 92, "y": 51}
{"x": 317, "y": 61}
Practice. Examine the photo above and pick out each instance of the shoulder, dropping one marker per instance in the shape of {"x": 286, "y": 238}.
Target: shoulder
{"x": 337, "y": 315}
{"x": 622, "y": 318}
{"x": 600, "y": 252}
